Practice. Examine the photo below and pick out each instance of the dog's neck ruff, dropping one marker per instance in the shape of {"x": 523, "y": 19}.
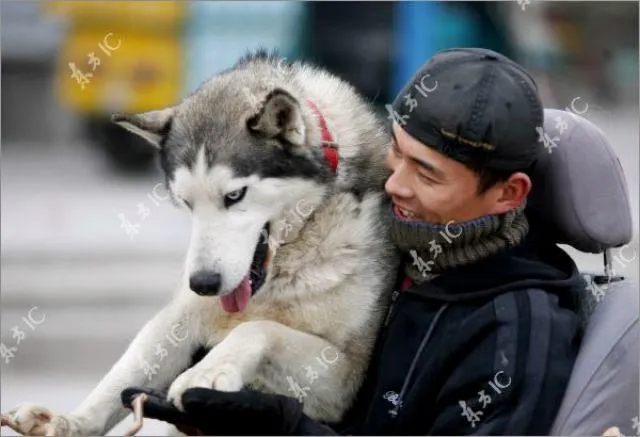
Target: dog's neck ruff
{"x": 330, "y": 151}
{"x": 329, "y": 146}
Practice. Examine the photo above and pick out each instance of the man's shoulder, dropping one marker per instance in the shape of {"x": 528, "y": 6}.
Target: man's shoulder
{"x": 521, "y": 323}
{"x": 530, "y": 309}
{"x": 532, "y": 303}
{"x": 516, "y": 333}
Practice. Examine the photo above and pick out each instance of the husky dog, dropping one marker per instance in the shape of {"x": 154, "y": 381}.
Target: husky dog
{"x": 276, "y": 152}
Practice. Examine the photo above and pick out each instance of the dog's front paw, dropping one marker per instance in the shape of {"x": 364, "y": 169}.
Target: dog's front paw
{"x": 189, "y": 379}
{"x": 34, "y": 420}
{"x": 224, "y": 378}
{"x": 227, "y": 378}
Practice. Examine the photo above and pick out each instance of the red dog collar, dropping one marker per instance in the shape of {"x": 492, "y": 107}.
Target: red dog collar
{"x": 329, "y": 147}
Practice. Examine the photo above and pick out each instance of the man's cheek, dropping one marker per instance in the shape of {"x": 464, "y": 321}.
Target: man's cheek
{"x": 431, "y": 207}
{"x": 442, "y": 203}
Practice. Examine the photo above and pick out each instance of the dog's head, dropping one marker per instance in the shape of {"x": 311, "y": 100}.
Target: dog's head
{"x": 238, "y": 154}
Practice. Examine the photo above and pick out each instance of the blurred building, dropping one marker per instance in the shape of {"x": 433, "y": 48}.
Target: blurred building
{"x": 572, "y": 48}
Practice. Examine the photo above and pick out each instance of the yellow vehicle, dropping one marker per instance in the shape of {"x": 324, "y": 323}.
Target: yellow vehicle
{"x": 120, "y": 56}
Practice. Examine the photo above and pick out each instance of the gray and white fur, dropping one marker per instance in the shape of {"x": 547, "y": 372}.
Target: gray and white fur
{"x": 329, "y": 278}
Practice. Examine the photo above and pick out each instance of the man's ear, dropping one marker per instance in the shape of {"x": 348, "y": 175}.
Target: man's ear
{"x": 511, "y": 193}
{"x": 153, "y": 126}
{"x": 280, "y": 117}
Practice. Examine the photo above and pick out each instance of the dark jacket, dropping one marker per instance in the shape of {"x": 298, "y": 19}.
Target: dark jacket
{"x": 485, "y": 349}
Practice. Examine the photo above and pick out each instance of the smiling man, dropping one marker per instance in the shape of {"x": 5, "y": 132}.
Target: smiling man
{"x": 482, "y": 332}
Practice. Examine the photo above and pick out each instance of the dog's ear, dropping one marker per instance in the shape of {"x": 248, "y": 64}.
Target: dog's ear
{"x": 153, "y": 126}
{"x": 279, "y": 117}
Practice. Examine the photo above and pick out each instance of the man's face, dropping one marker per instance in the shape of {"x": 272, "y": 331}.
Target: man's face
{"x": 427, "y": 185}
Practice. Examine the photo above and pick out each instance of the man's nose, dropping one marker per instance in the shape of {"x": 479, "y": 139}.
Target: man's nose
{"x": 396, "y": 185}
{"x": 205, "y": 282}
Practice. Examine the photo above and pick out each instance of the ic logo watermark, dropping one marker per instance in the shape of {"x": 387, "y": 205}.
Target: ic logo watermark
{"x": 32, "y": 320}
{"x": 424, "y": 88}
{"x": 284, "y": 226}
{"x": 425, "y": 267}
{"x": 132, "y": 229}
{"x": 94, "y": 61}
{"x": 599, "y": 292}
{"x": 621, "y": 258}
{"x": 325, "y": 359}
{"x": 174, "y": 337}
{"x": 499, "y": 383}
{"x": 561, "y": 124}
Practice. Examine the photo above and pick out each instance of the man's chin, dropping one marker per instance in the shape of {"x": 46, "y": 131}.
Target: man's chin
{"x": 429, "y": 218}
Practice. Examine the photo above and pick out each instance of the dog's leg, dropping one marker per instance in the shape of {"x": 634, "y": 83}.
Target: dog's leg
{"x": 284, "y": 361}
{"x": 142, "y": 365}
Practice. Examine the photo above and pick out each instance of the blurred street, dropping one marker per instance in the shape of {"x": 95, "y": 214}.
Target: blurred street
{"x": 93, "y": 284}
{"x": 91, "y": 247}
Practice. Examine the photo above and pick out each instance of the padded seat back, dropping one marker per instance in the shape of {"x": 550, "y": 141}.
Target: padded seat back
{"x": 580, "y": 197}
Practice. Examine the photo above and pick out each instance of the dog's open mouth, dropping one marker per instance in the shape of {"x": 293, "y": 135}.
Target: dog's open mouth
{"x": 238, "y": 299}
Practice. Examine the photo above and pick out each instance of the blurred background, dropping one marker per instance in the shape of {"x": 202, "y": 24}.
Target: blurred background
{"x": 87, "y": 234}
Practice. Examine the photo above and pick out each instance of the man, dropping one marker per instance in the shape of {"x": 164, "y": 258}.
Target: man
{"x": 482, "y": 336}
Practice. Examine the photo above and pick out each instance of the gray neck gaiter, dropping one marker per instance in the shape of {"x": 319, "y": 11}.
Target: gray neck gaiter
{"x": 432, "y": 249}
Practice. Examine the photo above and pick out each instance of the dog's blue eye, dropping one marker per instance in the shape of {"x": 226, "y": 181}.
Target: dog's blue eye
{"x": 234, "y": 196}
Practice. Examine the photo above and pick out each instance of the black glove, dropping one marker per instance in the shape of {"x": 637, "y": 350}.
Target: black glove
{"x": 213, "y": 412}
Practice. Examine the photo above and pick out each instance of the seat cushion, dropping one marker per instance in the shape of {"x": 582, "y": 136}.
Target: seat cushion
{"x": 603, "y": 390}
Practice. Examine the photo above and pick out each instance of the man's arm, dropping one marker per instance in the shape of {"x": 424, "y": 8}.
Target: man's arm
{"x": 214, "y": 412}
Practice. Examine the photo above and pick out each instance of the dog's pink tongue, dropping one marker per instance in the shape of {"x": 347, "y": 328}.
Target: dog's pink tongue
{"x": 238, "y": 299}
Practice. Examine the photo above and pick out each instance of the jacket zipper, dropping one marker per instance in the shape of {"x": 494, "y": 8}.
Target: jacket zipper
{"x": 394, "y": 298}
{"x": 425, "y": 339}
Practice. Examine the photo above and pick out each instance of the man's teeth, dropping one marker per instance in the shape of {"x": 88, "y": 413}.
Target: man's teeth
{"x": 406, "y": 213}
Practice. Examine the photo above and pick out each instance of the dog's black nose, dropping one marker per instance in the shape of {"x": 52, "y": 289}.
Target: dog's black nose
{"x": 205, "y": 283}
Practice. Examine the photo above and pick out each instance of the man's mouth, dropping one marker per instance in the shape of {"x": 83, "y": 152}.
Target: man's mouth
{"x": 238, "y": 299}
{"x": 404, "y": 213}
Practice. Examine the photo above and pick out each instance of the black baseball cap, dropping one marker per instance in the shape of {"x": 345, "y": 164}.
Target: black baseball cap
{"x": 475, "y": 106}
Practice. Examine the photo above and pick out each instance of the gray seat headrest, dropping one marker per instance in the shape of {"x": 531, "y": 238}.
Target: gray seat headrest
{"x": 579, "y": 195}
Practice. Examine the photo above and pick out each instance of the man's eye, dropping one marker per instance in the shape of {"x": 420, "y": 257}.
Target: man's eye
{"x": 233, "y": 197}
{"x": 426, "y": 179}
